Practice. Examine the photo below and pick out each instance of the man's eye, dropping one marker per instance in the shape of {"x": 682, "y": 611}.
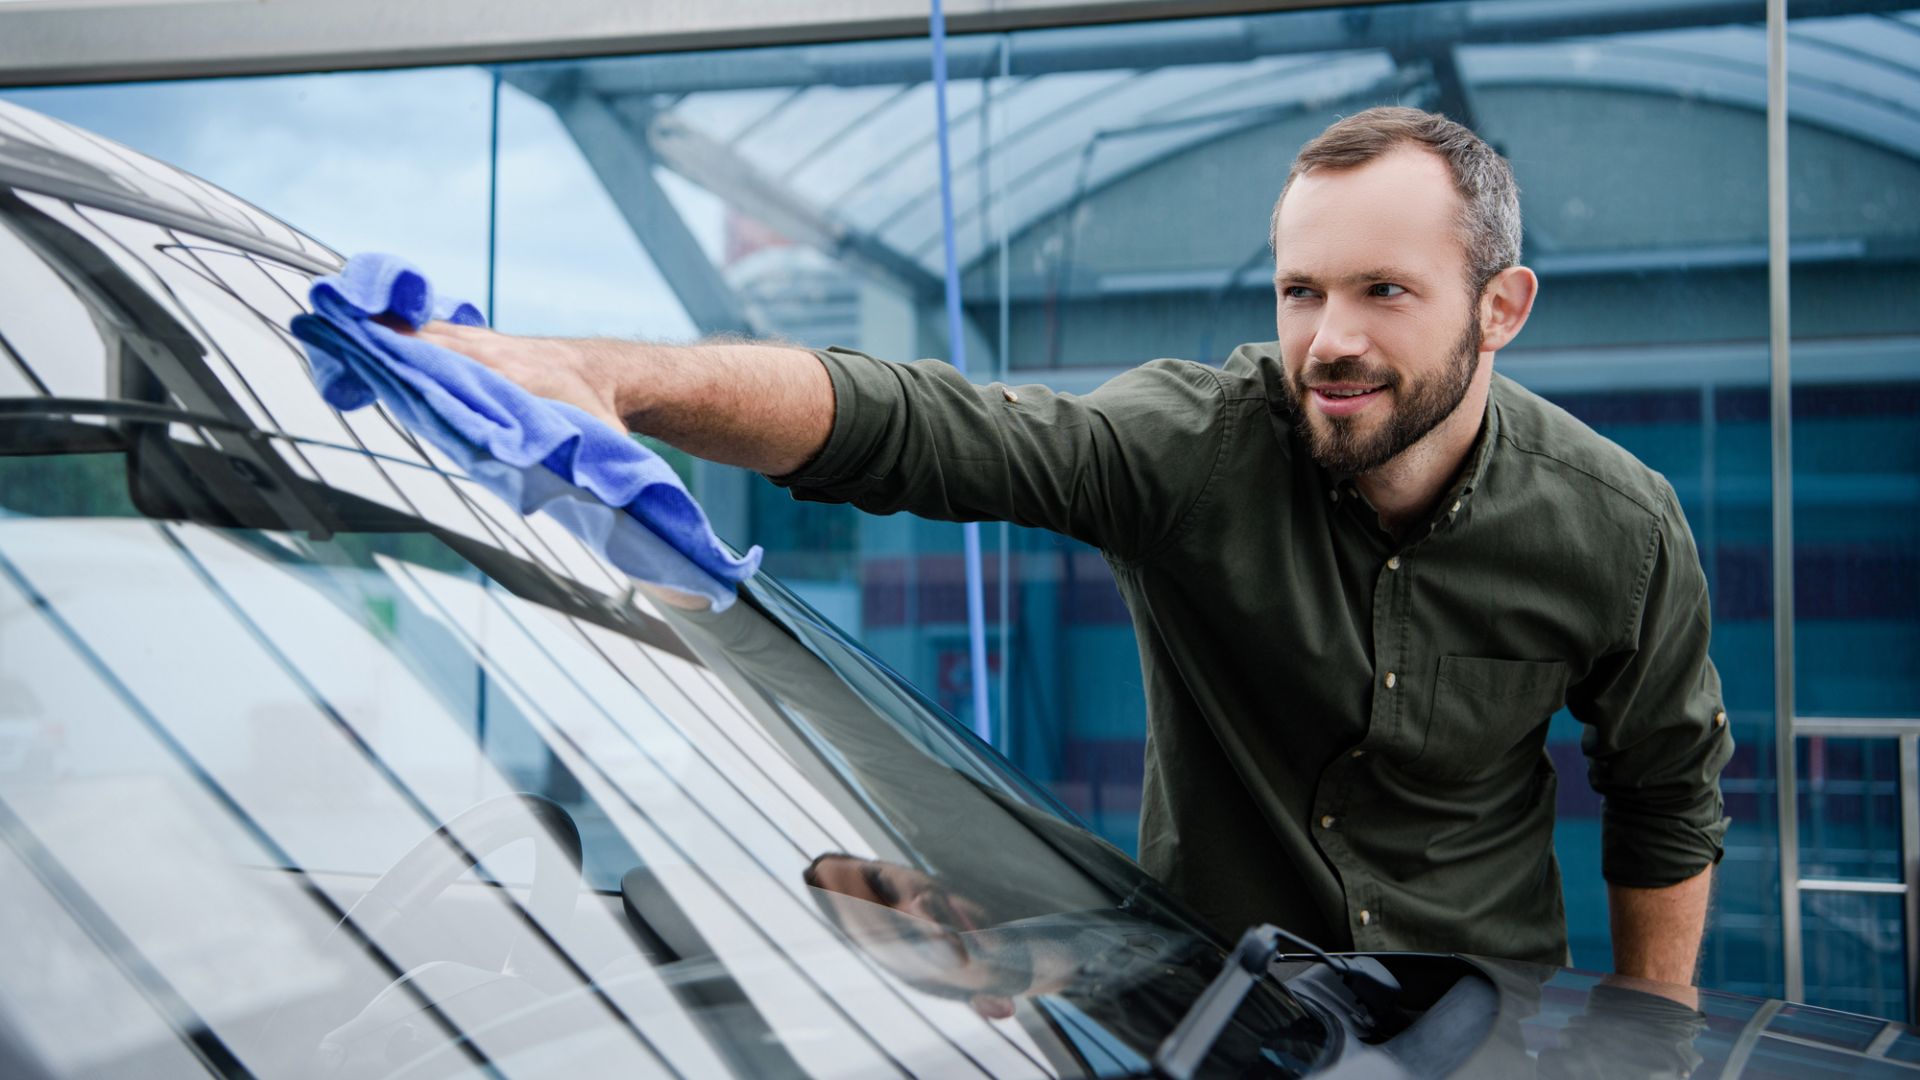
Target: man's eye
{"x": 1296, "y": 292}
{"x": 1386, "y": 289}
{"x": 880, "y": 886}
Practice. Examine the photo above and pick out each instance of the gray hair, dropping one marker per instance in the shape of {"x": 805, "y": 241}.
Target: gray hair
{"x": 1489, "y": 218}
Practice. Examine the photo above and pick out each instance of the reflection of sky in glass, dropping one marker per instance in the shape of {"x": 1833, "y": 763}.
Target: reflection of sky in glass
{"x": 397, "y": 162}
{"x": 384, "y": 161}
{"x": 567, "y": 262}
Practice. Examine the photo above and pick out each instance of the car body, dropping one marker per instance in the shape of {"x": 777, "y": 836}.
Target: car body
{"x": 325, "y": 760}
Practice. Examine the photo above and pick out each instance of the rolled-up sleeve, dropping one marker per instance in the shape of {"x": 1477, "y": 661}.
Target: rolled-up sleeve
{"x": 1656, "y": 735}
{"x": 1117, "y": 468}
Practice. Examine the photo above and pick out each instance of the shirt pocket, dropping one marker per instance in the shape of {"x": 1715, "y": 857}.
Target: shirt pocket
{"x": 1483, "y": 709}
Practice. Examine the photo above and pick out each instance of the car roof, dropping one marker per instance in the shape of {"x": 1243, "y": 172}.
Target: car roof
{"x": 39, "y": 153}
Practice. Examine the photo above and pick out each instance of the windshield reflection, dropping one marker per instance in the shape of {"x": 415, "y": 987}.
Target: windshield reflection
{"x": 785, "y": 861}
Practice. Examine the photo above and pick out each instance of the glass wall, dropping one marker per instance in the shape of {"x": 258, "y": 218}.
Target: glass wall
{"x": 1112, "y": 188}
{"x": 1853, "y": 99}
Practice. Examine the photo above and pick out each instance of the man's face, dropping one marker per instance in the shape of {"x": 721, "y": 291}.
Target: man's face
{"x": 903, "y": 889}
{"x": 916, "y": 927}
{"x": 1378, "y": 332}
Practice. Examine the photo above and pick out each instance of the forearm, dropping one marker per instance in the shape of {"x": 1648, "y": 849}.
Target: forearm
{"x": 768, "y": 408}
{"x": 764, "y": 407}
{"x": 1656, "y": 932}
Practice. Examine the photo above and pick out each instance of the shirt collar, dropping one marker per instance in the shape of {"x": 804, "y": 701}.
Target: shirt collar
{"x": 1475, "y": 473}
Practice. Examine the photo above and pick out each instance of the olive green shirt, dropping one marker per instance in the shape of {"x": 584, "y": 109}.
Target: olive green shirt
{"x": 1345, "y": 731}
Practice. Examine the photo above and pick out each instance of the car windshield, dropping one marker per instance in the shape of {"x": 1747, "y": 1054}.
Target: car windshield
{"x": 318, "y": 757}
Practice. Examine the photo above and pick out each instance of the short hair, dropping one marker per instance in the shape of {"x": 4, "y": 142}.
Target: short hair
{"x": 1489, "y": 218}
{"x": 811, "y": 875}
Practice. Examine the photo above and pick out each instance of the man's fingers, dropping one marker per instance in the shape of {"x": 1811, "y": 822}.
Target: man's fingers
{"x": 539, "y": 366}
{"x": 469, "y": 341}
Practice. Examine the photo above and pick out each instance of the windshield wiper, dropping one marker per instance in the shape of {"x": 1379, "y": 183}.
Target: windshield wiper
{"x": 1373, "y": 987}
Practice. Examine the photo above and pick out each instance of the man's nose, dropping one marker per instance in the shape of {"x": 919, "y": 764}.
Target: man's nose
{"x": 1341, "y": 333}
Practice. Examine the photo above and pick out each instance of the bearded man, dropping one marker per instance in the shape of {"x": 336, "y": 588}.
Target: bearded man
{"x": 1363, "y": 569}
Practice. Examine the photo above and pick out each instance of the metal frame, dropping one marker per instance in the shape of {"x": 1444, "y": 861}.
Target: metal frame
{"x": 1779, "y": 341}
{"x": 1789, "y": 728}
{"x": 1794, "y": 887}
{"x": 71, "y": 41}
{"x": 64, "y": 41}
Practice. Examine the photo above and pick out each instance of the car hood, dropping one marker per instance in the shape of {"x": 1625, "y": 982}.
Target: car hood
{"x": 1567, "y": 1022}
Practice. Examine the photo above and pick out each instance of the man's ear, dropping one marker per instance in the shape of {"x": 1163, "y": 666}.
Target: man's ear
{"x": 1505, "y": 305}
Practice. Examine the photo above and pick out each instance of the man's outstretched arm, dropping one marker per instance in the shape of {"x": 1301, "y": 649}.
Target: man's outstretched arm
{"x": 764, "y": 407}
{"x": 1656, "y": 932}
{"x": 1117, "y": 469}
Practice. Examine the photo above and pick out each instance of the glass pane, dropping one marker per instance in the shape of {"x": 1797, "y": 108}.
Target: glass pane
{"x": 661, "y": 834}
{"x": 1855, "y": 155}
{"x": 808, "y": 207}
{"x": 1855, "y": 952}
{"x": 1076, "y": 267}
{"x": 162, "y": 337}
{"x": 1850, "y": 808}
{"x": 14, "y": 379}
{"x": 46, "y": 318}
{"x": 1854, "y": 168}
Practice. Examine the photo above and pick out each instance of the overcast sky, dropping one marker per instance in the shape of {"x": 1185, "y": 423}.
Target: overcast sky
{"x": 397, "y": 162}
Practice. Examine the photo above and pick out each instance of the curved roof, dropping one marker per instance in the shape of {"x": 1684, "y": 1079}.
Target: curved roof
{"x": 851, "y": 161}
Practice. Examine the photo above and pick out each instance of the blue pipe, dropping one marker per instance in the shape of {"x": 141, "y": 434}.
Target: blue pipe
{"x": 956, "y": 337}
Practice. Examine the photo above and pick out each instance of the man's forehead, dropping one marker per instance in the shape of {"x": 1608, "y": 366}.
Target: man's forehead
{"x": 1399, "y": 211}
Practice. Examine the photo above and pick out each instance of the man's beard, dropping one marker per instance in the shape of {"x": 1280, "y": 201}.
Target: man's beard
{"x": 1338, "y": 443}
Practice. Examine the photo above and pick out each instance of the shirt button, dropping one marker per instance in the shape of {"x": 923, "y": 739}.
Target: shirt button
{"x": 1456, "y": 507}
{"x": 1007, "y": 392}
{"x": 1390, "y": 680}
{"x": 1366, "y": 917}
{"x": 1393, "y": 563}
{"x": 1334, "y": 495}
{"x": 1326, "y": 821}
{"x": 1359, "y": 753}
{"x": 1720, "y": 719}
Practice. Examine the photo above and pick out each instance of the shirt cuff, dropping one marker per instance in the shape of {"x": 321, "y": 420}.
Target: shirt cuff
{"x": 864, "y": 396}
{"x": 1654, "y": 849}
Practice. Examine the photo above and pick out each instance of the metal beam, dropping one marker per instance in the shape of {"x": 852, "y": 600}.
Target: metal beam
{"x": 48, "y": 43}
{"x": 44, "y": 44}
{"x": 623, "y": 162}
{"x": 716, "y": 167}
{"x": 1853, "y": 727}
{"x": 1853, "y": 885}
{"x": 1781, "y": 374}
{"x": 1450, "y": 97}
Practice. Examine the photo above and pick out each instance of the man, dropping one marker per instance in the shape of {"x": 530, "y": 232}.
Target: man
{"x": 1363, "y": 570}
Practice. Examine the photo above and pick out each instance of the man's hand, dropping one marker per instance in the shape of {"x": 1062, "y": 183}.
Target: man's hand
{"x": 1656, "y": 932}
{"x": 573, "y": 371}
{"x": 763, "y": 407}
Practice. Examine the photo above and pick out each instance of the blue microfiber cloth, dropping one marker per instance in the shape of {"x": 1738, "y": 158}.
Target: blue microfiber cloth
{"x": 531, "y": 450}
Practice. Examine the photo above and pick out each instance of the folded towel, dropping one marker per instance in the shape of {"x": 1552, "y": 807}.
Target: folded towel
{"x": 497, "y": 431}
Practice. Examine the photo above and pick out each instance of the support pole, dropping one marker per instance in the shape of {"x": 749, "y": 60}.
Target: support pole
{"x": 957, "y": 345}
{"x": 1781, "y": 385}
